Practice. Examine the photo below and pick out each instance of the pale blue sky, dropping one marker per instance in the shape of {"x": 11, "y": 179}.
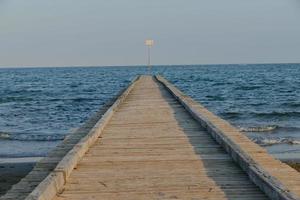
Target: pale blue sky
{"x": 112, "y": 32}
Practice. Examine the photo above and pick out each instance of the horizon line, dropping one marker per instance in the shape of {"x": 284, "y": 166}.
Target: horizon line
{"x": 136, "y": 65}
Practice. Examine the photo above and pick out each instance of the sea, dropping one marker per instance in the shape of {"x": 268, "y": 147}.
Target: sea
{"x": 39, "y": 107}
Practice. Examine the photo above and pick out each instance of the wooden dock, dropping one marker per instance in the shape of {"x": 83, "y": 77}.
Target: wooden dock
{"x": 157, "y": 143}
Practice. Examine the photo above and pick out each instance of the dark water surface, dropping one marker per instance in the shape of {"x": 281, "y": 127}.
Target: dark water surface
{"x": 40, "y": 106}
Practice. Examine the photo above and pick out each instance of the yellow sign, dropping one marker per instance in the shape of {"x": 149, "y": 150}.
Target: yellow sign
{"x": 149, "y": 42}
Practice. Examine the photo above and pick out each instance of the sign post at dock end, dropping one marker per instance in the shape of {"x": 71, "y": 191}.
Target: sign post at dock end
{"x": 149, "y": 43}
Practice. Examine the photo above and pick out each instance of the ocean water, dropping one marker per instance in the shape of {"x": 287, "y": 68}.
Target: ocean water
{"x": 40, "y": 106}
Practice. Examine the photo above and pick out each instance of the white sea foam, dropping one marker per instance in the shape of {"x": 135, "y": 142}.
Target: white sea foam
{"x": 273, "y": 141}
{"x": 267, "y": 128}
{"x": 4, "y": 135}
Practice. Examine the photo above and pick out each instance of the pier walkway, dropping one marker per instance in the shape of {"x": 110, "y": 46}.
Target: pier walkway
{"x": 153, "y": 149}
{"x": 157, "y": 143}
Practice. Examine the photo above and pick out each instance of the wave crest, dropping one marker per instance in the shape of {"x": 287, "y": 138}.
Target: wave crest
{"x": 267, "y": 128}
{"x": 277, "y": 114}
{"x": 31, "y": 137}
{"x": 273, "y": 141}
{"x": 4, "y": 135}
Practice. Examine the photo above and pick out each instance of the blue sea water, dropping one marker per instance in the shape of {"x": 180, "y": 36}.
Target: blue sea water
{"x": 40, "y": 106}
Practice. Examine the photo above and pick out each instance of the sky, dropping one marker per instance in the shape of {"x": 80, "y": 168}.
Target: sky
{"x": 112, "y": 32}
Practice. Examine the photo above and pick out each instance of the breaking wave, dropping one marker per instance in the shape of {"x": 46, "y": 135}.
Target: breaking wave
{"x": 268, "y": 128}
{"x": 273, "y": 141}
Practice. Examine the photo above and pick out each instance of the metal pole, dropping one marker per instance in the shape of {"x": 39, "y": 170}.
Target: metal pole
{"x": 148, "y": 56}
{"x": 149, "y": 59}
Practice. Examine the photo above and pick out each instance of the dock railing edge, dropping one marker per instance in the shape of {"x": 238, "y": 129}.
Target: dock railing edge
{"x": 243, "y": 151}
{"x": 54, "y": 182}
